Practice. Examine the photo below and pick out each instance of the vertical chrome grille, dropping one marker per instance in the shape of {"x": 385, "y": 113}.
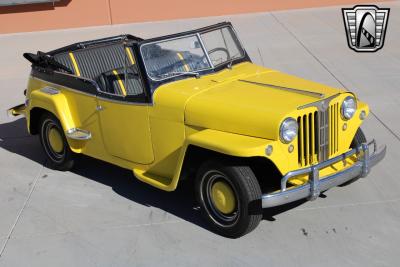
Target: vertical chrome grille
{"x": 318, "y": 135}
{"x": 334, "y": 130}
{"x": 308, "y": 138}
{"x": 323, "y": 135}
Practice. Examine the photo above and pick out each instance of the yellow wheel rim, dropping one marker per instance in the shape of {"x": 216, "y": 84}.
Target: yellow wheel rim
{"x": 223, "y": 197}
{"x": 55, "y": 140}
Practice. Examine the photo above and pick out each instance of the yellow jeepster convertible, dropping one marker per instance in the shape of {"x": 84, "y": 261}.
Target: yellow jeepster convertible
{"x": 193, "y": 106}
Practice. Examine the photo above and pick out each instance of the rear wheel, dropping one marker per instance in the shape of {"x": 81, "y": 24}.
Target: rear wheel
{"x": 358, "y": 140}
{"x": 230, "y": 198}
{"x": 55, "y": 144}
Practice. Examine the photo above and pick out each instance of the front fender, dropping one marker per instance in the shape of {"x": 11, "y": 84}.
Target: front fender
{"x": 232, "y": 145}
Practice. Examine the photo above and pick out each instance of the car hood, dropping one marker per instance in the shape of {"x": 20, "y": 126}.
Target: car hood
{"x": 251, "y": 100}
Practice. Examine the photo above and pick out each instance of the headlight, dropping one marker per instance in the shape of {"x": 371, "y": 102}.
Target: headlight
{"x": 288, "y": 130}
{"x": 349, "y": 107}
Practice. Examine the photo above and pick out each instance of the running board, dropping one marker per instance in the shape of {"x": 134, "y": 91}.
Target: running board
{"x": 78, "y": 134}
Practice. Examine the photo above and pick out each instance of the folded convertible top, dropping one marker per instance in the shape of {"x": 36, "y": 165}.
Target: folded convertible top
{"x": 85, "y": 44}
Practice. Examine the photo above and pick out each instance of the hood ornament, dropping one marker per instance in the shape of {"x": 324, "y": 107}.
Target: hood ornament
{"x": 321, "y": 105}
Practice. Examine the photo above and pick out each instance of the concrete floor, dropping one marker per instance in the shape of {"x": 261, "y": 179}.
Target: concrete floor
{"x": 99, "y": 215}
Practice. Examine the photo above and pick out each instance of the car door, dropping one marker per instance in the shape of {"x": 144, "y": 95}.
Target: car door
{"x": 124, "y": 116}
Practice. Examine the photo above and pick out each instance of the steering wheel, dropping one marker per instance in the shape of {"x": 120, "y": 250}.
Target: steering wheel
{"x": 222, "y": 49}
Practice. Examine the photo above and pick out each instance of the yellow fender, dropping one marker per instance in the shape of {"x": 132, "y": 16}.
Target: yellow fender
{"x": 56, "y": 104}
{"x": 222, "y": 142}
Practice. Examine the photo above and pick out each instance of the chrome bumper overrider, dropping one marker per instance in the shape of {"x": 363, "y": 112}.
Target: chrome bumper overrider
{"x": 316, "y": 185}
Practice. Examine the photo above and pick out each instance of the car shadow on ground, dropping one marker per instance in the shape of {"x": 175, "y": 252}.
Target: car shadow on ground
{"x": 181, "y": 203}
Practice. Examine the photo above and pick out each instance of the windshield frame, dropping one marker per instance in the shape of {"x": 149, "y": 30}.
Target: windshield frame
{"x": 197, "y": 33}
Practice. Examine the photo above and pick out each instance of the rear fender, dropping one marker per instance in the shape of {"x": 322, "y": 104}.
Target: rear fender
{"x": 56, "y": 104}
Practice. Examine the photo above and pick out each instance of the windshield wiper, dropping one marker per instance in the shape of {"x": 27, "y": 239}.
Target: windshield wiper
{"x": 186, "y": 73}
{"x": 230, "y": 61}
{"x": 229, "y": 65}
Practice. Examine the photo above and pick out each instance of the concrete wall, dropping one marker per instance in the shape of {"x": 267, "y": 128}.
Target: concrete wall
{"x": 82, "y": 13}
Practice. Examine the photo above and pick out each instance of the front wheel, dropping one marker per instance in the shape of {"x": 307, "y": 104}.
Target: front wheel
{"x": 55, "y": 144}
{"x": 230, "y": 198}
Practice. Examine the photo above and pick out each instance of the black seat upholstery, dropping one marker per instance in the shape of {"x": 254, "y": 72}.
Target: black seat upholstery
{"x": 93, "y": 61}
{"x": 113, "y": 82}
{"x": 65, "y": 59}
{"x": 105, "y": 64}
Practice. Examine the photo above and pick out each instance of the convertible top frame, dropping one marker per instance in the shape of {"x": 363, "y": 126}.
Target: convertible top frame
{"x": 52, "y": 74}
{"x": 91, "y": 43}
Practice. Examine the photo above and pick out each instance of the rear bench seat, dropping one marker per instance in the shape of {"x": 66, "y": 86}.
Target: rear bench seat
{"x": 115, "y": 80}
{"x": 104, "y": 64}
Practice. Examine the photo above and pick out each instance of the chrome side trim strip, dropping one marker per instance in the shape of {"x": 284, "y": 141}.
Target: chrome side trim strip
{"x": 294, "y": 90}
{"x": 50, "y": 90}
{"x": 124, "y": 102}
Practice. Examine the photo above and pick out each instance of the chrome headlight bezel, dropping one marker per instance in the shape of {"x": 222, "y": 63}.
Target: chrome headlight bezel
{"x": 288, "y": 130}
{"x": 348, "y": 108}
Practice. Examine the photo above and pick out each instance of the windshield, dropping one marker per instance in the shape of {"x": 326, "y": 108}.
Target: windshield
{"x": 187, "y": 55}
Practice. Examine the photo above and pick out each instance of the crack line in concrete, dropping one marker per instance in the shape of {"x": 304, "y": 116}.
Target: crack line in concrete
{"x": 385, "y": 125}
{"x": 261, "y": 57}
{"x": 21, "y": 210}
{"x": 330, "y": 72}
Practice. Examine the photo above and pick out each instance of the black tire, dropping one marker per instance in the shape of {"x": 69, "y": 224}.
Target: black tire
{"x": 59, "y": 160}
{"x": 248, "y": 209}
{"x": 358, "y": 139}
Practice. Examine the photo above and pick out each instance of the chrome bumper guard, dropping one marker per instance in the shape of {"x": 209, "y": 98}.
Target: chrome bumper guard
{"x": 315, "y": 185}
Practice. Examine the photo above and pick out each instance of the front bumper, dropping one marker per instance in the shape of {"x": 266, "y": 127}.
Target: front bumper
{"x": 315, "y": 185}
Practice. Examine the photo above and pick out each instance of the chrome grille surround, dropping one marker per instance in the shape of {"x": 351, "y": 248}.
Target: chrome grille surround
{"x": 318, "y": 132}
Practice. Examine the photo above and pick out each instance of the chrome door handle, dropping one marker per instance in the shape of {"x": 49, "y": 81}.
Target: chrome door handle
{"x": 99, "y": 108}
